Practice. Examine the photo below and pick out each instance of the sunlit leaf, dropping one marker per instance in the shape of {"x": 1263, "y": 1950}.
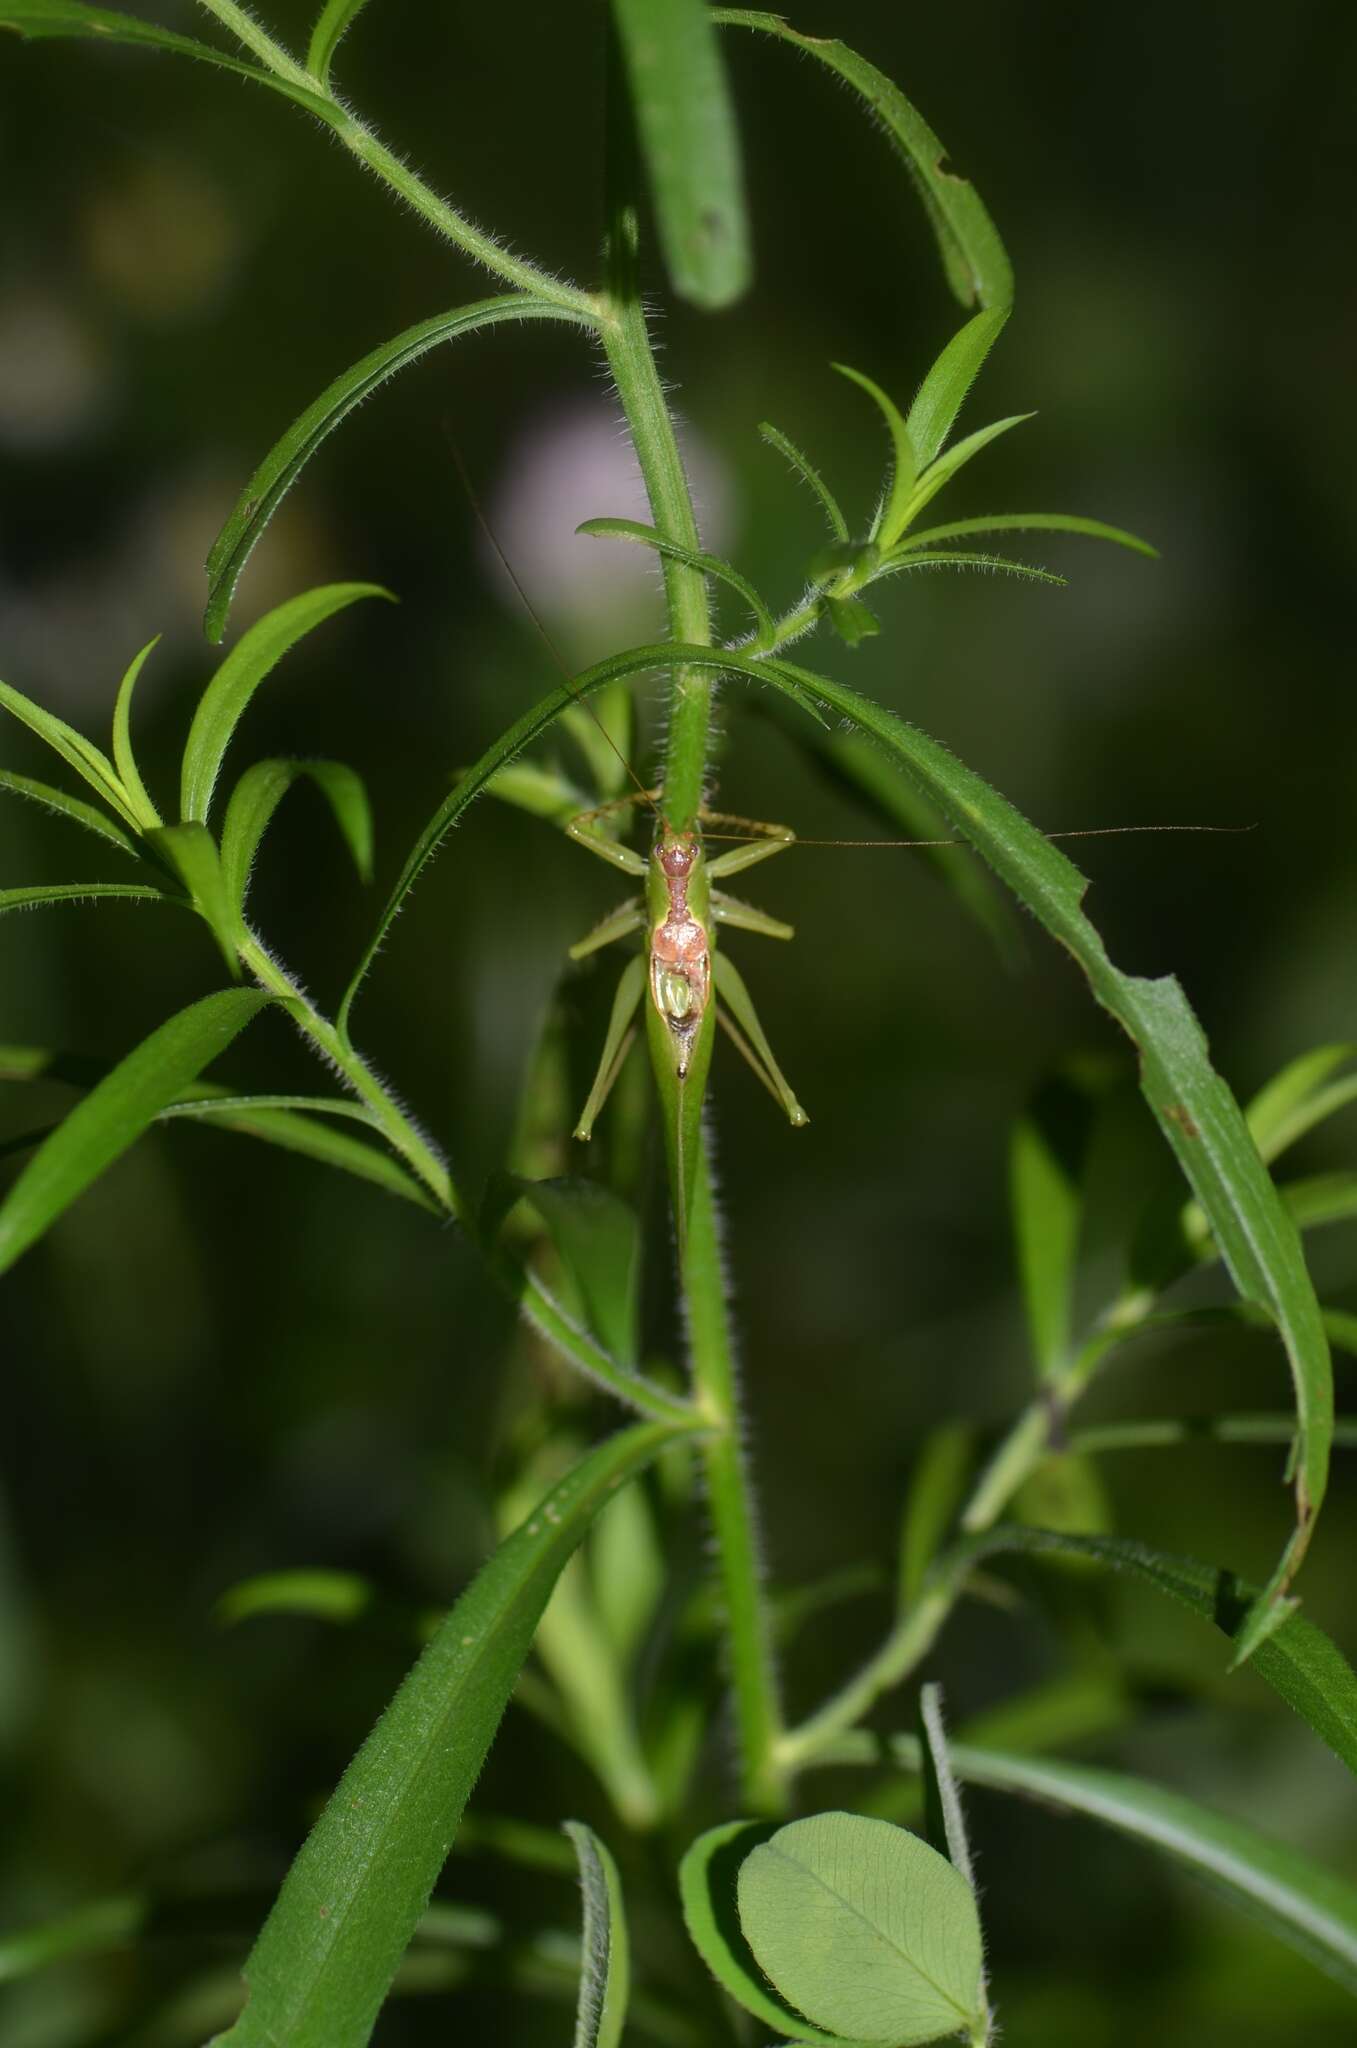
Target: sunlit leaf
{"x": 323, "y": 1965}
{"x": 973, "y": 256}
{"x": 284, "y": 462}
{"x": 605, "y": 1965}
{"x": 690, "y": 143}
{"x": 116, "y": 1112}
{"x": 71, "y": 807}
{"x": 707, "y": 1886}
{"x": 943, "y": 391}
{"x": 88, "y": 761}
{"x": 224, "y": 701}
{"x": 1296, "y": 1899}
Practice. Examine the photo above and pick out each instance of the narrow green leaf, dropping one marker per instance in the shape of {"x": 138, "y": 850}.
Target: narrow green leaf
{"x": 541, "y": 792}
{"x": 937, "y": 1488}
{"x": 809, "y": 475}
{"x": 1047, "y": 1161}
{"x": 605, "y": 1966}
{"x": 115, "y": 1113}
{"x": 79, "y": 892}
{"x": 943, "y": 391}
{"x": 598, "y": 1237}
{"x": 317, "y": 1595}
{"x": 288, "y": 457}
{"x": 942, "y": 1800}
{"x": 629, "y": 1572}
{"x": 192, "y": 853}
{"x": 905, "y": 559}
{"x": 1169, "y": 1431}
{"x": 944, "y": 468}
{"x": 1031, "y": 522}
{"x": 257, "y": 796}
{"x": 110, "y": 1923}
{"x": 1300, "y": 1097}
{"x": 36, "y": 18}
{"x": 1195, "y": 1110}
{"x": 708, "y": 1876}
{"x": 291, "y": 1122}
{"x": 227, "y": 695}
{"x": 864, "y": 1928}
{"x": 1298, "y": 1660}
{"x": 69, "y": 807}
{"x": 891, "y": 516}
{"x": 1322, "y": 1198}
{"x": 335, "y": 20}
{"x": 973, "y": 257}
{"x": 78, "y": 752}
{"x": 1294, "y": 1898}
{"x": 124, "y": 760}
{"x": 690, "y": 143}
{"x": 323, "y": 1964}
{"x": 710, "y": 565}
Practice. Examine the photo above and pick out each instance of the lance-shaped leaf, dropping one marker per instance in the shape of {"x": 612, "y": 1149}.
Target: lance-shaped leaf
{"x": 1300, "y": 1097}
{"x": 115, "y": 1113}
{"x": 35, "y": 18}
{"x": 598, "y": 1237}
{"x": 192, "y": 853}
{"x": 943, "y": 392}
{"x": 1298, "y": 1660}
{"x": 335, "y": 20}
{"x": 43, "y": 893}
{"x": 973, "y": 257}
{"x": 709, "y": 565}
{"x": 1029, "y": 522}
{"x": 892, "y": 512}
{"x": 63, "y": 806}
{"x": 124, "y": 760}
{"x": 324, "y": 1963}
{"x": 809, "y": 475}
{"x": 605, "y": 1965}
{"x": 945, "y": 466}
{"x": 257, "y": 796}
{"x": 690, "y": 143}
{"x": 224, "y": 701}
{"x": 1047, "y": 1162}
{"x": 88, "y": 761}
{"x": 1295, "y": 1898}
{"x": 287, "y": 458}
{"x": 295, "y": 1124}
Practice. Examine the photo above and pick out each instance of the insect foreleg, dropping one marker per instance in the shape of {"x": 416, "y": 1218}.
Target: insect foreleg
{"x": 765, "y": 842}
{"x": 580, "y": 829}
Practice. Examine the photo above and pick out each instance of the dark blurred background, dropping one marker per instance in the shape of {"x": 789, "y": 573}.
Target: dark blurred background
{"x": 226, "y": 1361}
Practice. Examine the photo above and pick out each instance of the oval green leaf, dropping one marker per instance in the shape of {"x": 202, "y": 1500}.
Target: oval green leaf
{"x": 708, "y": 1877}
{"x": 865, "y": 1929}
{"x": 115, "y": 1113}
{"x": 324, "y": 1962}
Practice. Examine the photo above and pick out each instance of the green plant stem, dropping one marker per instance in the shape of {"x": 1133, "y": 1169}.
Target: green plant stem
{"x": 362, "y": 143}
{"x": 753, "y": 1672}
{"x": 518, "y": 1283}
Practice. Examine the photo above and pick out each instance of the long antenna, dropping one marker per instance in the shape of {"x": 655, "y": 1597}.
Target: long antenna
{"x": 1086, "y": 832}
{"x": 530, "y": 608}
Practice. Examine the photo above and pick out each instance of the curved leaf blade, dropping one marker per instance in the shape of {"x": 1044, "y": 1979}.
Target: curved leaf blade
{"x": 598, "y": 1238}
{"x": 257, "y": 796}
{"x": 116, "y": 1112}
{"x": 224, "y": 701}
{"x": 324, "y": 1962}
{"x": 279, "y": 470}
{"x": 1297, "y": 1660}
{"x": 690, "y": 143}
{"x": 605, "y": 1965}
{"x": 1311, "y": 1908}
{"x": 57, "y": 801}
{"x": 1031, "y": 522}
{"x": 124, "y": 760}
{"x": 708, "y": 1876}
{"x": 334, "y": 22}
{"x": 892, "y": 514}
{"x": 292, "y": 1122}
{"x": 973, "y": 257}
{"x": 803, "y": 467}
{"x": 943, "y": 392}
{"x": 191, "y": 852}
{"x": 81, "y": 892}
{"x": 88, "y": 761}
{"x": 710, "y": 565}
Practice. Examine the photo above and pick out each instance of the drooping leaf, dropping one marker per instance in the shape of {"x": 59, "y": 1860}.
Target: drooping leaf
{"x": 974, "y": 258}
{"x": 116, "y": 1112}
{"x": 809, "y": 475}
{"x": 294, "y": 1124}
{"x": 943, "y": 392}
{"x": 284, "y": 462}
{"x": 227, "y": 695}
{"x": 598, "y": 1237}
{"x": 35, "y": 18}
{"x": 891, "y": 515}
{"x": 708, "y": 1876}
{"x": 257, "y": 796}
{"x": 323, "y": 1964}
{"x": 689, "y": 140}
{"x": 1047, "y": 1162}
{"x": 335, "y": 20}
{"x": 605, "y": 1964}
{"x": 80, "y": 892}
{"x": 124, "y": 760}
{"x": 1297, "y": 1659}
{"x": 57, "y": 801}
{"x": 709, "y": 565}
{"x": 1029, "y": 522}
{"x": 88, "y": 761}
{"x": 864, "y": 1928}
{"x": 1294, "y": 1898}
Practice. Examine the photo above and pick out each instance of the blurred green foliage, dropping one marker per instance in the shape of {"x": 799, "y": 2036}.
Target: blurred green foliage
{"x": 225, "y": 1362}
